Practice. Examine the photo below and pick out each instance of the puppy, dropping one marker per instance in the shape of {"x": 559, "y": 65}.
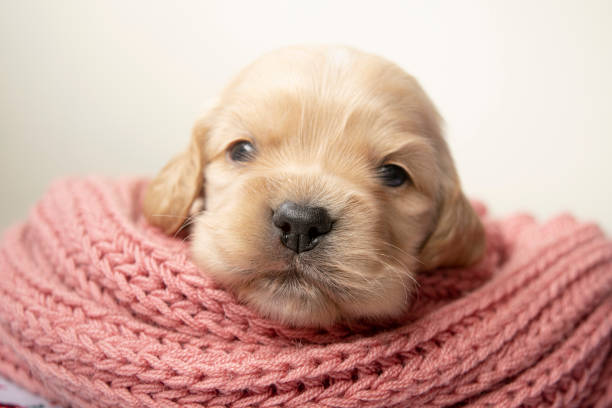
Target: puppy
{"x": 326, "y": 185}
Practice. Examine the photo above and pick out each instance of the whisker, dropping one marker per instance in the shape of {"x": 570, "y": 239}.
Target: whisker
{"x": 188, "y": 221}
{"x": 188, "y": 237}
{"x": 403, "y": 252}
{"x": 404, "y": 267}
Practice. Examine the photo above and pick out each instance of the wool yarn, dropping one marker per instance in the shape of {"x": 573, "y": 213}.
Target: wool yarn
{"x": 98, "y": 309}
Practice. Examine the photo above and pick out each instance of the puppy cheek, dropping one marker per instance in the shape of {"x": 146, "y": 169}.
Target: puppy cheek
{"x": 379, "y": 290}
{"x": 232, "y": 241}
{"x": 204, "y": 247}
{"x": 390, "y": 301}
{"x": 409, "y": 223}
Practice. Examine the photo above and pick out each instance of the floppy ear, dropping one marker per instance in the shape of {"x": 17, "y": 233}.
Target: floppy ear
{"x": 171, "y": 193}
{"x": 458, "y": 237}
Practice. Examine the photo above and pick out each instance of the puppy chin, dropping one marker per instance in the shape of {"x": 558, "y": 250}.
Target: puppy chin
{"x": 290, "y": 300}
{"x": 295, "y": 301}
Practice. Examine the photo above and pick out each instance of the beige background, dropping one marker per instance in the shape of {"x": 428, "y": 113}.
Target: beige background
{"x": 113, "y": 87}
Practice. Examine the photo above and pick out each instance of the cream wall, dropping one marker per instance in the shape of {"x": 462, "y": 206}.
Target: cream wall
{"x": 113, "y": 87}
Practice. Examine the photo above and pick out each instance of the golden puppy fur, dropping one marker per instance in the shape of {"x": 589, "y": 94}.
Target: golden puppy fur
{"x": 322, "y": 120}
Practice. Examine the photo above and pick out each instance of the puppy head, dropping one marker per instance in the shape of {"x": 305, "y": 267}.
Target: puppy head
{"x": 327, "y": 185}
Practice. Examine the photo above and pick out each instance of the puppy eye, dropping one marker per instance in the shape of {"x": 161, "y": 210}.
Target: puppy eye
{"x": 242, "y": 151}
{"x": 392, "y": 175}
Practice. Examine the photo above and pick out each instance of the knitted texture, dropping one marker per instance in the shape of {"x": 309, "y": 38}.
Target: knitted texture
{"x": 100, "y": 310}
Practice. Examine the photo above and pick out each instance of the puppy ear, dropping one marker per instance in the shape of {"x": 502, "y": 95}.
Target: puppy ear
{"x": 458, "y": 237}
{"x": 170, "y": 195}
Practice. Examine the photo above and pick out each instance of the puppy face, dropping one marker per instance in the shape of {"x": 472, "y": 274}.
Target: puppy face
{"x": 327, "y": 185}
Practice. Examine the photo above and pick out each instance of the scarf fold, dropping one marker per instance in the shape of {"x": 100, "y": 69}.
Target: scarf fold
{"x": 98, "y": 309}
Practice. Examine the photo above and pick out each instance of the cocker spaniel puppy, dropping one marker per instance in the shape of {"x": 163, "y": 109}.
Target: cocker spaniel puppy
{"x": 325, "y": 184}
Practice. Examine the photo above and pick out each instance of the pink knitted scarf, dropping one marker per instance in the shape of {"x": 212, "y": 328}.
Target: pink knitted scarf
{"x": 100, "y": 310}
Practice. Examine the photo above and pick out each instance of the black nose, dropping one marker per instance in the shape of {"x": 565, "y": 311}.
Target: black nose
{"x": 300, "y": 225}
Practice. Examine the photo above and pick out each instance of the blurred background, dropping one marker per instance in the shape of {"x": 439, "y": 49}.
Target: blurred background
{"x": 113, "y": 87}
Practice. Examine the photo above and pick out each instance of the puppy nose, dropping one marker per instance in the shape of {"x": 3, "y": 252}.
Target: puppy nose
{"x": 301, "y": 225}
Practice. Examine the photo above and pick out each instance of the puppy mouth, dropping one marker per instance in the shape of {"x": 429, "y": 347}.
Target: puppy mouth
{"x": 299, "y": 274}
{"x": 297, "y": 270}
